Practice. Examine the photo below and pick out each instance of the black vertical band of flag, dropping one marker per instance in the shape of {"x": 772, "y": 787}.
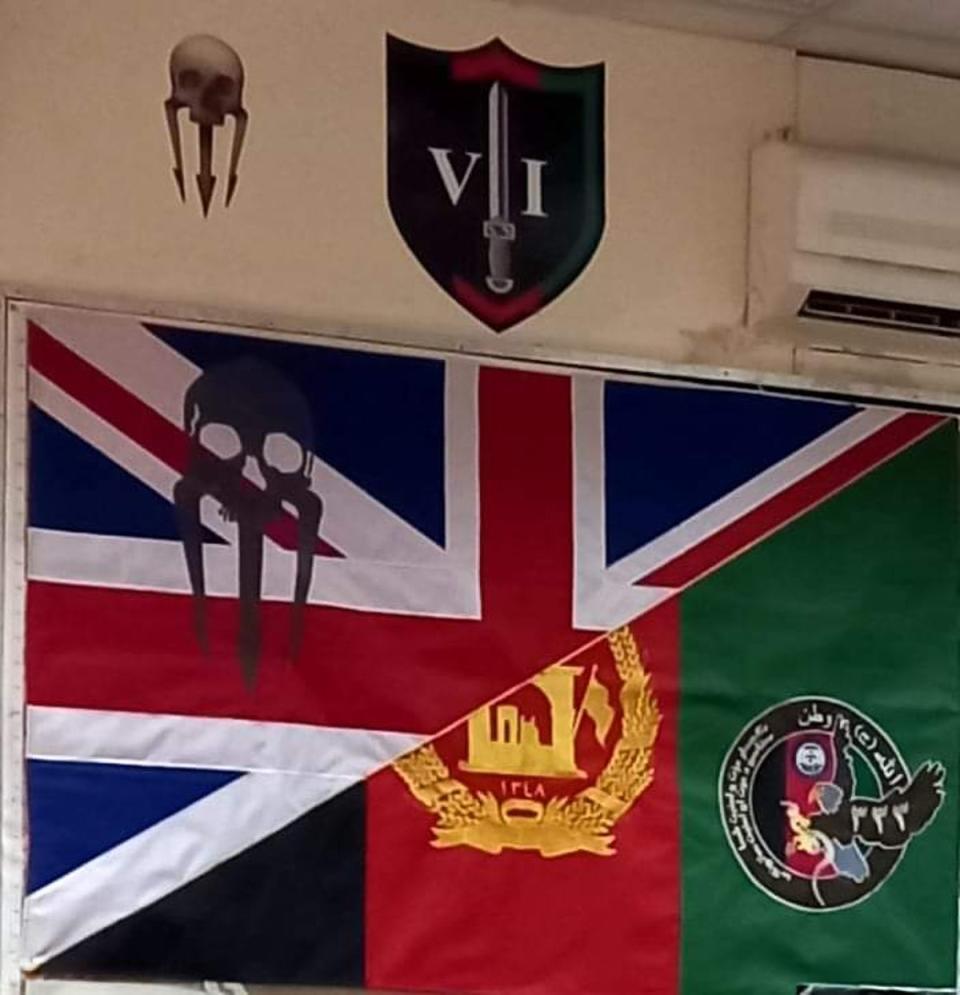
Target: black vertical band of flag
{"x": 288, "y": 910}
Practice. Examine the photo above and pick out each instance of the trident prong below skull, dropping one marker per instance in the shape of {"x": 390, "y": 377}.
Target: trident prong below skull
{"x": 245, "y": 412}
{"x": 206, "y": 77}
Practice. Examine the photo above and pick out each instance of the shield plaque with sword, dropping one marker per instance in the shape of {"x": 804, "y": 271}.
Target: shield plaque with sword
{"x": 495, "y": 172}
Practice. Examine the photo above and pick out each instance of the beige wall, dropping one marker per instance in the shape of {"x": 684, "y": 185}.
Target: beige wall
{"x": 88, "y": 210}
{"x": 88, "y": 207}
{"x": 866, "y": 109}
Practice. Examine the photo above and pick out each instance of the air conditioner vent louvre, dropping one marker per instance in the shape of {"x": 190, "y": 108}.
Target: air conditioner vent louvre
{"x": 922, "y": 318}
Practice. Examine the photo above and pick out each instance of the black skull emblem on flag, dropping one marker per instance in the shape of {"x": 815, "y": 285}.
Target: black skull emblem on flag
{"x": 251, "y": 449}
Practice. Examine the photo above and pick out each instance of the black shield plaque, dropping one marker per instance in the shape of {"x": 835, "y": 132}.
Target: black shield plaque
{"x": 495, "y": 172}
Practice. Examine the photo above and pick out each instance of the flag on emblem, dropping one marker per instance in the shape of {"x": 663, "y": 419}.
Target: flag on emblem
{"x": 596, "y": 704}
{"x": 352, "y": 667}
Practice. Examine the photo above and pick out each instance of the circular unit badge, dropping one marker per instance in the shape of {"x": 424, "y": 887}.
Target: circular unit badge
{"x": 818, "y": 805}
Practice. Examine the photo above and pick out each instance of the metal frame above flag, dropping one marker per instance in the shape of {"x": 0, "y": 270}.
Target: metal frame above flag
{"x": 495, "y": 167}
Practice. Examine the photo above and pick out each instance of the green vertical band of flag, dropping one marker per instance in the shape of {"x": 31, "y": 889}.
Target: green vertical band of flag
{"x": 857, "y": 601}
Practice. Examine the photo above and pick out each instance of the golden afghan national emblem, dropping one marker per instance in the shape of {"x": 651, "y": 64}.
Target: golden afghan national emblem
{"x": 524, "y": 799}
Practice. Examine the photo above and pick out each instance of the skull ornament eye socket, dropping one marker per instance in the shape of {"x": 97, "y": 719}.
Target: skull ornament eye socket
{"x": 189, "y": 79}
{"x": 283, "y": 454}
{"x": 222, "y": 441}
{"x": 221, "y": 87}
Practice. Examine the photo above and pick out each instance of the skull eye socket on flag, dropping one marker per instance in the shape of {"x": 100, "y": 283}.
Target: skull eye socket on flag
{"x": 355, "y": 667}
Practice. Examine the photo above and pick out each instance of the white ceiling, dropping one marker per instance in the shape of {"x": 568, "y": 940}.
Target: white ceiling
{"x": 916, "y": 34}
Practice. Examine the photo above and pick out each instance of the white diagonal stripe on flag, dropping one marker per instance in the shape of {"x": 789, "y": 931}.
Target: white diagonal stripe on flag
{"x": 79, "y": 734}
{"x": 607, "y": 596}
{"x": 752, "y": 494}
{"x": 143, "y": 869}
{"x": 120, "y": 448}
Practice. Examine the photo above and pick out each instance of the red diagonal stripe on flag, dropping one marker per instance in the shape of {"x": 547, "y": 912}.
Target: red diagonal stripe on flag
{"x": 736, "y": 537}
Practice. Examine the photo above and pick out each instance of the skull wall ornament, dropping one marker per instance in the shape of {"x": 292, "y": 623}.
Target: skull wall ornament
{"x": 246, "y": 416}
{"x": 206, "y": 77}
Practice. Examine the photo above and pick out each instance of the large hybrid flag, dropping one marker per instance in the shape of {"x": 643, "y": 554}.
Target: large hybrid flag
{"x": 350, "y": 667}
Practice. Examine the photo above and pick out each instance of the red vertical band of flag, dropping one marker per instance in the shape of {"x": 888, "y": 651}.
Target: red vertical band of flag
{"x": 457, "y": 919}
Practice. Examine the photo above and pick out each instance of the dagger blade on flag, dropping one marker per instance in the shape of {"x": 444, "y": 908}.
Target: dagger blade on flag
{"x": 498, "y": 229}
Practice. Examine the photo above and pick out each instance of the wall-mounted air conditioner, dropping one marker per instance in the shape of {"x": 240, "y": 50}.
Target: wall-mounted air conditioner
{"x": 839, "y": 239}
